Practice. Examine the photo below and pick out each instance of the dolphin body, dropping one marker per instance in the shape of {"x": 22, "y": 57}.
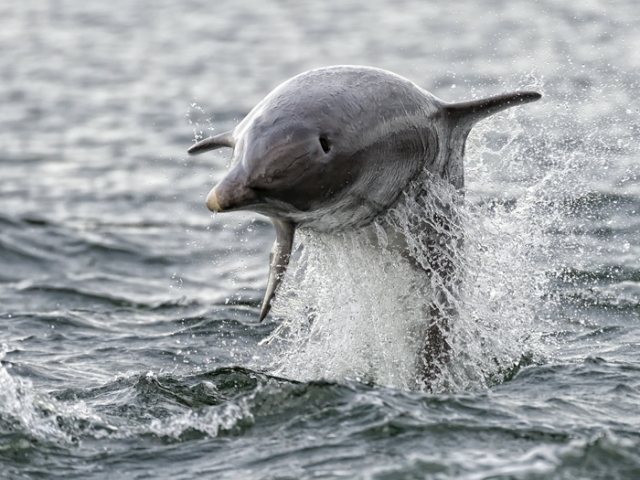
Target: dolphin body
{"x": 334, "y": 148}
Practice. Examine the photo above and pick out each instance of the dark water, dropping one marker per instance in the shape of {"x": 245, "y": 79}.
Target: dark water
{"x": 128, "y": 318}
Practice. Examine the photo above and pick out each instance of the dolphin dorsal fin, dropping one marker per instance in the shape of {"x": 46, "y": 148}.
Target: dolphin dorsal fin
{"x": 217, "y": 141}
{"x": 466, "y": 114}
{"x": 461, "y": 117}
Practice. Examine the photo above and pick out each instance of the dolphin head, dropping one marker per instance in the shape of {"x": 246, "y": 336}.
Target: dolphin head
{"x": 281, "y": 165}
{"x": 331, "y": 148}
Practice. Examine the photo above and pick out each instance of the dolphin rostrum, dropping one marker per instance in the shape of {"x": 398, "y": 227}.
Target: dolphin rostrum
{"x": 334, "y": 148}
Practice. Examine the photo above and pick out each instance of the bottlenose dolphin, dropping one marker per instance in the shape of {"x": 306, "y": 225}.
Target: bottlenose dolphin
{"x": 334, "y": 148}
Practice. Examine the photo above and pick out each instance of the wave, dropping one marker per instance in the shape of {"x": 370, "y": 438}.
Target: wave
{"x": 298, "y": 420}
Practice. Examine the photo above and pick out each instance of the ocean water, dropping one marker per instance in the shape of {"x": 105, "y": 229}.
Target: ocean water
{"x": 129, "y": 341}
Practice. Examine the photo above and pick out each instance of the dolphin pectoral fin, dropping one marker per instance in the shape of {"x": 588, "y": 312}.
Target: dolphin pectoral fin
{"x": 217, "y": 141}
{"x": 280, "y": 255}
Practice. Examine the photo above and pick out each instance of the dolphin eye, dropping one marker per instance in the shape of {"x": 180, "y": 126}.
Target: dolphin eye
{"x": 324, "y": 143}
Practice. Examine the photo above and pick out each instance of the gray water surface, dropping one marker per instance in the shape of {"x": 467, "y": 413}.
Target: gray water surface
{"x": 130, "y": 346}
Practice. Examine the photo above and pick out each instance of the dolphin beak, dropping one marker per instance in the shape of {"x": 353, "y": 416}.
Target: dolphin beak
{"x": 231, "y": 194}
{"x": 212, "y": 201}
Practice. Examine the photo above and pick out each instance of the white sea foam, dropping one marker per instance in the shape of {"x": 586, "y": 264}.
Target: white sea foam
{"x": 41, "y": 416}
{"x": 20, "y": 405}
{"x": 209, "y": 421}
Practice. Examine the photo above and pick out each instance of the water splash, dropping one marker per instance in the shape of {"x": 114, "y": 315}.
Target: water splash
{"x": 353, "y": 307}
{"x": 34, "y": 417}
{"x": 38, "y": 416}
{"x": 357, "y": 308}
{"x": 341, "y": 297}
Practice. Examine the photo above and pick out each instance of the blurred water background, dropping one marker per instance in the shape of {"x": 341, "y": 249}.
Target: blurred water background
{"x": 130, "y": 346}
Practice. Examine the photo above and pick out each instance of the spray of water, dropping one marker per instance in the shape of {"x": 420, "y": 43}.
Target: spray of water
{"x": 484, "y": 264}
